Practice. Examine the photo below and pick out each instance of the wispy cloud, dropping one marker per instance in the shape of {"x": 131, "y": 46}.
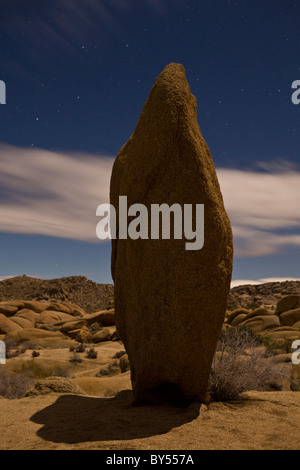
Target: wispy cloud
{"x": 51, "y": 193}
{"x": 10, "y": 276}
{"x": 243, "y": 282}
{"x": 263, "y": 208}
{"x": 3, "y": 278}
{"x": 57, "y": 193}
{"x": 68, "y": 29}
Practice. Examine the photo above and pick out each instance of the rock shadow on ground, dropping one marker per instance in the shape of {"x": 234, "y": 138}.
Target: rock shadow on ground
{"x": 76, "y": 419}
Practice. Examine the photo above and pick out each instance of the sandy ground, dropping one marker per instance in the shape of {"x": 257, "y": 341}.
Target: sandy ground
{"x": 106, "y": 418}
{"x": 55, "y": 358}
{"x": 268, "y": 420}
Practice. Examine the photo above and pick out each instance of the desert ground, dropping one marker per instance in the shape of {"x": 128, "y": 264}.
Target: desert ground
{"x": 102, "y": 414}
{"x": 258, "y": 421}
{"x": 66, "y": 382}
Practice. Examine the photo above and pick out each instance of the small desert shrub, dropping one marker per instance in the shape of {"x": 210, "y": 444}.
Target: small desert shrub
{"x": 281, "y": 345}
{"x": 95, "y": 326}
{"x": 15, "y": 386}
{"x": 12, "y": 348}
{"x": 112, "y": 369}
{"x": 75, "y": 359}
{"x": 35, "y": 354}
{"x": 252, "y": 305}
{"x": 271, "y": 344}
{"x": 240, "y": 365}
{"x": 81, "y": 348}
{"x": 119, "y": 354}
{"x": 92, "y": 354}
{"x": 286, "y": 345}
{"x": 233, "y": 304}
{"x": 239, "y": 337}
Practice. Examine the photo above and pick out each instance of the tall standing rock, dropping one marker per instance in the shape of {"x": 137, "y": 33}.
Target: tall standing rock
{"x": 170, "y": 302}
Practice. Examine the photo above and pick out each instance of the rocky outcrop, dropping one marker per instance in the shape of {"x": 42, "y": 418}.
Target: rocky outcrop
{"x": 48, "y": 324}
{"x": 282, "y": 324}
{"x": 55, "y": 385}
{"x": 170, "y": 302}
{"x": 268, "y": 294}
{"x": 86, "y": 294}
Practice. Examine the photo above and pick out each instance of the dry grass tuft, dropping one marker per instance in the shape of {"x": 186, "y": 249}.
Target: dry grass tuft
{"x": 240, "y": 364}
{"x": 15, "y": 386}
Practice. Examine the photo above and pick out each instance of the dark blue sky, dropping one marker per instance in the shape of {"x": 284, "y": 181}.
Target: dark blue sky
{"x": 78, "y": 72}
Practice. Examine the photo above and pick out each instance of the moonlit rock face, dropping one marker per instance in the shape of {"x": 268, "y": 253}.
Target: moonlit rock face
{"x": 170, "y": 302}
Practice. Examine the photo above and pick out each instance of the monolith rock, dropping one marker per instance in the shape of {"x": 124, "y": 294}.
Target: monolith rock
{"x": 170, "y": 301}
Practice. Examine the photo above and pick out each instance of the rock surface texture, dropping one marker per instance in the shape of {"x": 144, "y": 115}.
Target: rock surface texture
{"x": 170, "y": 302}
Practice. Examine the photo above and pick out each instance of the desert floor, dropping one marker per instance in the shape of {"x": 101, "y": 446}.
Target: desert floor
{"x": 261, "y": 420}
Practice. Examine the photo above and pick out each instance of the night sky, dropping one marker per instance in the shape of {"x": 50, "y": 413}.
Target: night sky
{"x": 77, "y": 74}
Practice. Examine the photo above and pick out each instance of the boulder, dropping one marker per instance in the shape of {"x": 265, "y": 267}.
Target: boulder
{"x": 13, "y": 303}
{"x": 23, "y": 322}
{"x": 297, "y": 325}
{"x": 238, "y": 319}
{"x": 28, "y": 314}
{"x": 102, "y": 335}
{"x": 51, "y": 317}
{"x": 170, "y": 301}
{"x": 104, "y": 317}
{"x": 290, "y": 317}
{"x": 57, "y": 307}
{"x": 83, "y": 335}
{"x": 8, "y": 310}
{"x": 46, "y": 326}
{"x": 107, "y": 318}
{"x": 55, "y": 385}
{"x": 287, "y": 303}
{"x": 33, "y": 334}
{"x": 235, "y": 313}
{"x": 124, "y": 363}
{"x": 76, "y": 310}
{"x": 7, "y": 325}
{"x": 36, "y": 306}
{"x": 114, "y": 335}
{"x": 71, "y": 326}
{"x": 261, "y": 323}
{"x": 259, "y": 312}
{"x": 283, "y": 333}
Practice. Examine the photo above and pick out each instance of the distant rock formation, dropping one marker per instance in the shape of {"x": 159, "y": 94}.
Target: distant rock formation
{"x": 281, "y": 325}
{"x": 45, "y": 323}
{"x": 76, "y": 289}
{"x": 170, "y": 302}
{"x": 253, "y": 296}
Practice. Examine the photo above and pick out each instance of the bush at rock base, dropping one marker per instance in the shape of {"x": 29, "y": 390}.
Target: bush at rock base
{"x": 240, "y": 365}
